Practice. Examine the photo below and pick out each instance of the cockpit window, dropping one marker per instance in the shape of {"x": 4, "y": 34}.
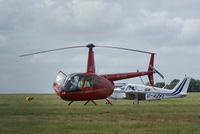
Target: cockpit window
{"x": 131, "y": 88}
{"x": 85, "y": 82}
{"x": 79, "y": 81}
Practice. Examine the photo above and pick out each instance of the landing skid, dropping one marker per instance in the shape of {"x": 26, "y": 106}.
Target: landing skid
{"x": 91, "y": 101}
{"x": 107, "y": 102}
{"x": 70, "y": 103}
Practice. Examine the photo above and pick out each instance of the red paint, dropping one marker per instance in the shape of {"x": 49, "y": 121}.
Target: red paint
{"x": 89, "y": 85}
{"x": 91, "y": 64}
{"x": 150, "y": 76}
{"x": 120, "y": 76}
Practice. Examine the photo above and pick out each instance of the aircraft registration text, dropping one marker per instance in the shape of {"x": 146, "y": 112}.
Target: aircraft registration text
{"x": 153, "y": 96}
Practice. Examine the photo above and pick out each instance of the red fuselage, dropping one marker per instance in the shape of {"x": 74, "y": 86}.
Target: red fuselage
{"x": 82, "y": 87}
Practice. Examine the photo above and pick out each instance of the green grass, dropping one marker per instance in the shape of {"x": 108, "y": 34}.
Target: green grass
{"x": 47, "y": 113}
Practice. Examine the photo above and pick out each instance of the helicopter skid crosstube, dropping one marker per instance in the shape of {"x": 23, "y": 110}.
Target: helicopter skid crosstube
{"x": 107, "y": 102}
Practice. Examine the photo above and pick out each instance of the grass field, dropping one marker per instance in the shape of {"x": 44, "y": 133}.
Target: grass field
{"x": 48, "y": 114}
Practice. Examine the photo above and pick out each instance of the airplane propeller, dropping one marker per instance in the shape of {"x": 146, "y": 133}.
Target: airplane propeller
{"x": 89, "y": 46}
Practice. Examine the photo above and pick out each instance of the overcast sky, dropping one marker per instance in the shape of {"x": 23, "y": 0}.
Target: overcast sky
{"x": 169, "y": 28}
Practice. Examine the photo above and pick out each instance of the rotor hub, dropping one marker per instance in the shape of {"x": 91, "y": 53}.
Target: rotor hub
{"x": 90, "y": 46}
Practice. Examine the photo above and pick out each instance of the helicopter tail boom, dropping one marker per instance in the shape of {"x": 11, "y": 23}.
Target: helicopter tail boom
{"x": 121, "y": 76}
{"x": 149, "y": 73}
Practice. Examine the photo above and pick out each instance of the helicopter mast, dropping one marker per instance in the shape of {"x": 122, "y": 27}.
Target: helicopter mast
{"x": 91, "y": 63}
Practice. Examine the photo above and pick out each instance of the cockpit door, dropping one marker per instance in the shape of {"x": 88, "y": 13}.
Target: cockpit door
{"x": 61, "y": 79}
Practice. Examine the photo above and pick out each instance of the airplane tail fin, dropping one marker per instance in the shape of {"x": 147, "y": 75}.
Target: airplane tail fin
{"x": 182, "y": 87}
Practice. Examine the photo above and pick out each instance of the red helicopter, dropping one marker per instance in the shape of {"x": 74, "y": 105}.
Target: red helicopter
{"x": 90, "y": 86}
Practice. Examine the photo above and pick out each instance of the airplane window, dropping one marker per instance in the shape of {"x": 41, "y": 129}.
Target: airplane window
{"x": 130, "y": 88}
{"x": 133, "y": 88}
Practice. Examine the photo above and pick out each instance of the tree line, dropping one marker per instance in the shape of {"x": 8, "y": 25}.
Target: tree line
{"x": 193, "y": 87}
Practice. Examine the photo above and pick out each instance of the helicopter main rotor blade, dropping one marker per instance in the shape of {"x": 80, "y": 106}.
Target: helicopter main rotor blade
{"x": 45, "y": 51}
{"x": 127, "y": 49}
{"x": 89, "y": 46}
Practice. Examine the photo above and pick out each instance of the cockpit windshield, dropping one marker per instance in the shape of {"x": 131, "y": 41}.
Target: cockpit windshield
{"x": 75, "y": 82}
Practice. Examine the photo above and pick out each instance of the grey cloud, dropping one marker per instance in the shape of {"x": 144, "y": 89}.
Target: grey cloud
{"x": 170, "y": 29}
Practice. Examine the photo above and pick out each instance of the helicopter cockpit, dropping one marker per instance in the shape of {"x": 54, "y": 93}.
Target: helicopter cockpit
{"x": 74, "y": 82}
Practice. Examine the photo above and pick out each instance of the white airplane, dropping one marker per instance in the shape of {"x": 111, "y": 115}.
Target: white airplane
{"x": 141, "y": 92}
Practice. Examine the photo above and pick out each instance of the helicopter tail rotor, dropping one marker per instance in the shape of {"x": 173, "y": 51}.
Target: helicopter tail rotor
{"x": 150, "y": 76}
{"x": 156, "y": 71}
{"x": 153, "y": 70}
